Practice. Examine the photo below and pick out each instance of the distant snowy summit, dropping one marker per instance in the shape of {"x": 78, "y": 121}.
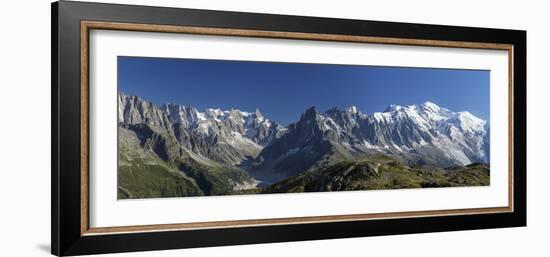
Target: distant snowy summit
{"x": 424, "y": 135}
{"x": 226, "y": 136}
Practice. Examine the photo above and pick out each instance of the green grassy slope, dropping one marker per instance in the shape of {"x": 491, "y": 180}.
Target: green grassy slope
{"x": 376, "y": 173}
{"x": 142, "y": 174}
{"x": 155, "y": 167}
{"x": 164, "y": 171}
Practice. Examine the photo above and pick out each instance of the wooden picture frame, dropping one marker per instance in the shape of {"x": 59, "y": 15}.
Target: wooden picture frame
{"x": 71, "y": 231}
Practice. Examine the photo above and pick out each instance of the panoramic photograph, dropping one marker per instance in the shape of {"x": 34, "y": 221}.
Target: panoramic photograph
{"x": 197, "y": 127}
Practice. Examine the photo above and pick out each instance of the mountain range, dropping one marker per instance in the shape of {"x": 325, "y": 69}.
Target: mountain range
{"x": 176, "y": 150}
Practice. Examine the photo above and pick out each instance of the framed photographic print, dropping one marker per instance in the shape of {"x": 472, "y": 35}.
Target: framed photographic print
{"x": 177, "y": 128}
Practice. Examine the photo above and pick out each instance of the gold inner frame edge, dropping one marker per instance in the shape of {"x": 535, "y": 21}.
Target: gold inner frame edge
{"x": 86, "y": 26}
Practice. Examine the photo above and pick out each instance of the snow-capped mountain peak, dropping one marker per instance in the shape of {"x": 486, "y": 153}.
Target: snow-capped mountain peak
{"x": 421, "y": 134}
{"x": 393, "y": 108}
{"x": 424, "y": 133}
{"x": 467, "y": 122}
{"x": 430, "y": 105}
{"x": 224, "y": 135}
{"x": 258, "y": 114}
{"x": 352, "y": 109}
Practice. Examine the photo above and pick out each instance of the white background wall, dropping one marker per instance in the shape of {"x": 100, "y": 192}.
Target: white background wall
{"x": 25, "y": 127}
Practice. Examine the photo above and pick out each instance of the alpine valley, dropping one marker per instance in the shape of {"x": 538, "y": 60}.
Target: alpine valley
{"x": 174, "y": 150}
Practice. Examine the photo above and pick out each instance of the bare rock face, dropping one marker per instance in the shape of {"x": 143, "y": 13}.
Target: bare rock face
{"x": 179, "y": 151}
{"x": 133, "y": 110}
{"x": 228, "y": 137}
{"x": 418, "y": 135}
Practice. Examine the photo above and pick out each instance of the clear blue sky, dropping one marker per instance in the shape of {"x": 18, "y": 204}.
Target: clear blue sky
{"x": 282, "y": 91}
